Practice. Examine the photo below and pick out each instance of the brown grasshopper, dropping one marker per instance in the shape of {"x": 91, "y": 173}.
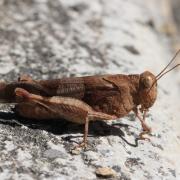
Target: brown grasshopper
{"x": 83, "y": 99}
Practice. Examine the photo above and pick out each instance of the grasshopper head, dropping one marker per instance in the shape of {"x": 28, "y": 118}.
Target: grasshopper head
{"x": 147, "y": 89}
{"x": 148, "y": 84}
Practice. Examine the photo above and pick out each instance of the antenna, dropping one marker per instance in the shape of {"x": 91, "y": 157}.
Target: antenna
{"x": 169, "y": 63}
{"x": 162, "y": 73}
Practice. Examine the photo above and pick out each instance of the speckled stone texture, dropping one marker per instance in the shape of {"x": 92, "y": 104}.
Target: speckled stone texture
{"x": 53, "y": 39}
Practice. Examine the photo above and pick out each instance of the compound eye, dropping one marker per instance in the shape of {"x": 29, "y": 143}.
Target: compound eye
{"x": 148, "y": 81}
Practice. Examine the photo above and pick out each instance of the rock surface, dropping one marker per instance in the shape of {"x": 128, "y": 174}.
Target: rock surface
{"x": 52, "y": 39}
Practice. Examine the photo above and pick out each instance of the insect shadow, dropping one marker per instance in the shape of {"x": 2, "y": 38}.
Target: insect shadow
{"x": 59, "y": 127}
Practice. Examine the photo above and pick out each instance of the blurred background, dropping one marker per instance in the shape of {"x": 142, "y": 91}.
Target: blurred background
{"x": 51, "y": 32}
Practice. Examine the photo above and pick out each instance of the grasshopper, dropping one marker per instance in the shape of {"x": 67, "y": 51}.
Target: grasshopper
{"x": 84, "y": 99}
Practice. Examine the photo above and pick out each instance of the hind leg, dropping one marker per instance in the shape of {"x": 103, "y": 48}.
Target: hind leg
{"x": 31, "y": 108}
{"x": 39, "y": 107}
{"x": 93, "y": 116}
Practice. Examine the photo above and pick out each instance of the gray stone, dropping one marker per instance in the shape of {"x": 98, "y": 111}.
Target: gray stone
{"x": 53, "y": 153}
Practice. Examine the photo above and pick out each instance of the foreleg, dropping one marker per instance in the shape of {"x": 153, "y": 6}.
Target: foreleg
{"x": 145, "y": 127}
